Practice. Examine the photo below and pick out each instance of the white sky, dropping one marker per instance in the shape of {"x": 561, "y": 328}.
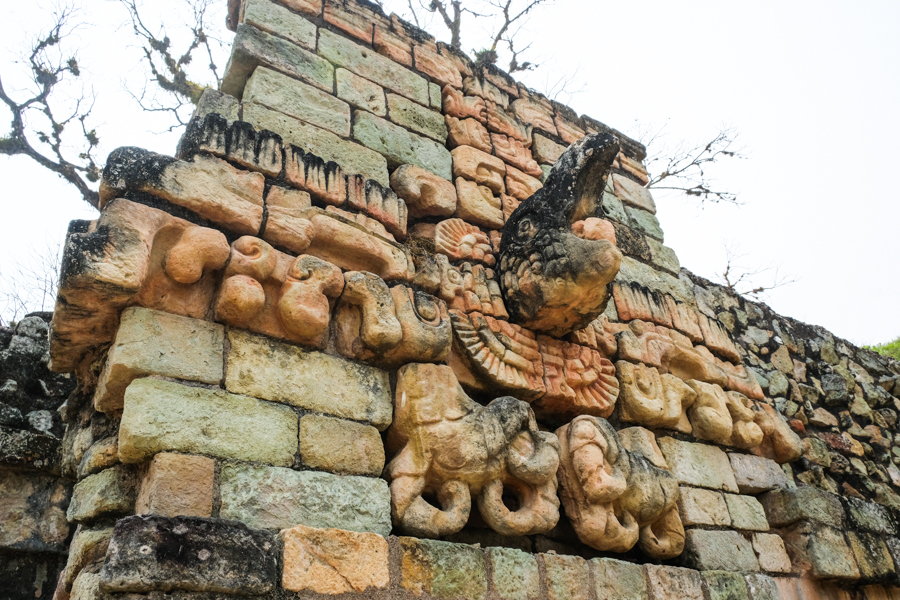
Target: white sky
{"x": 813, "y": 87}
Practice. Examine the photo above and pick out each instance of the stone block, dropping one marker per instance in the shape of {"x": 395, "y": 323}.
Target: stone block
{"x": 755, "y": 474}
{"x": 360, "y": 92}
{"x": 442, "y": 569}
{"x": 278, "y": 498}
{"x": 477, "y": 205}
{"x": 310, "y": 8}
{"x": 545, "y": 150}
{"x": 868, "y": 516}
{"x": 762, "y": 587}
{"x": 618, "y": 580}
{"x": 514, "y": 574}
{"x": 341, "y": 52}
{"x": 480, "y": 167}
{"x": 519, "y": 185}
{"x": 644, "y": 221}
{"x": 109, "y": 492}
{"x": 746, "y": 513}
{"x": 469, "y": 132}
{"x": 771, "y": 553}
{"x": 261, "y": 367}
{"x": 400, "y": 146}
{"x": 425, "y": 194}
{"x": 395, "y": 47}
{"x": 872, "y": 556}
{"x": 87, "y": 546}
{"x": 340, "y": 446}
{"x": 435, "y": 99}
{"x": 673, "y": 583}
{"x": 213, "y": 101}
{"x": 633, "y": 193}
{"x": 33, "y": 512}
{"x": 440, "y": 68}
{"x": 417, "y": 118}
{"x": 514, "y": 153}
{"x": 568, "y": 577}
{"x": 821, "y": 550}
{"x": 177, "y": 485}
{"x": 20, "y": 449}
{"x": 86, "y": 587}
{"x": 162, "y": 415}
{"x": 355, "y": 23}
{"x": 151, "y": 342}
{"x": 664, "y": 257}
{"x": 253, "y": 47}
{"x": 722, "y": 585}
{"x": 719, "y": 551}
{"x": 791, "y": 588}
{"x": 149, "y": 553}
{"x": 786, "y": 506}
{"x": 278, "y": 20}
{"x": 297, "y": 99}
{"x": 352, "y": 157}
{"x": 702, "y": 507}
{"x": 333, "y": 561}
{"x": 698, "y": 464}
{"x": 535, "y": 113}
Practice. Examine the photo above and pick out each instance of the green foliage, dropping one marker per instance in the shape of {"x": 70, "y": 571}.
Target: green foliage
{"x": 891, "y": 349}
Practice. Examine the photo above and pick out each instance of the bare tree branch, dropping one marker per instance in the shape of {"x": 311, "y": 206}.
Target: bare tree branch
{"x": 684, "y": 168}
{"x": 49, "y": 67}
{"x": 742, "y": 280}
{"x": 32, "y": 284}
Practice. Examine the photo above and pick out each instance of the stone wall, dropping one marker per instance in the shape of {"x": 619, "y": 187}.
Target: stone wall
{"x": 392, "y": 325}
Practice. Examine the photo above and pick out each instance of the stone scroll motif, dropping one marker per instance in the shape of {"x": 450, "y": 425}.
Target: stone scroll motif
{"x": 616, "y": 498}
{"x": 269, "y": 292}
{"x": 449, "y": 448}
{"x": 557, "y": 256}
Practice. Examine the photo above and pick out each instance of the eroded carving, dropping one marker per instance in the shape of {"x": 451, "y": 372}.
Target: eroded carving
{"x": 468, "y": 132}
{"x": 426, "y": 194}
{"x": 614, "y": 497}
{"x": 460, "y": 106}
{"x": 471, "y": 288}
{"x": 450, "y": 448}
{"x": 556, "y": 256}
{"x": 461, "y": 241}
{"x": 648, "y": 398}
{"x": 578, "y": 380}
{"x": 723, "y": 417}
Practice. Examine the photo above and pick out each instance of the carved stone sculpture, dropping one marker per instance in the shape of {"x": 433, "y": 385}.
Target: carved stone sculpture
{"x": 651, "y": 399}
{"x": 616, "y": 498}
{"x": 556, "y": 256}
{"x": 723, "y": 417}
{"x": 461, "y": 241}
{"x": 450, "y": 448}
{"x": 780, "y": 443}
{"x": 390, "y": 327}
{"x": 578, "y": 380}
{"x": 269, "y": 292}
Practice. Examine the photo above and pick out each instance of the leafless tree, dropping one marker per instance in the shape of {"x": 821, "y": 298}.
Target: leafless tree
{"x": 171, "y": 89}
{"x": 744, "y": 281}
{"x": 46, "y": 116}
{"x": 508, "y": 18}
{"x": 32, "y": 284}
{"x": 684, "y": 167}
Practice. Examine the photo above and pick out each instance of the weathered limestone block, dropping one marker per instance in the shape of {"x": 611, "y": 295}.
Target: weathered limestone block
{"x": 480, "y": 167}
{"x": 390, "y": 327}
{"x": 448, "y": 445}
{"x": 616, "y": 498}
{"x": 476, "y": 204}
{"x": 756, "y": 474}
{"x": 177, "y": 485}
{"x": 500, "y": 121}
{"x": 333, "y": 561}
{"x": 297, "y": 99}
{"x": 360, "y": 219}
{"x": 536, "y": 114}
{"x": 150, "y": 342}
{"x": 468, "y": 132}
{"x": 570, "y": 132}
{"x": 400, "y": 146}
{"x": 514, "y": 153}
{"x": 651, "y": 399}
{"x": 872, "y": 556}
{"x": 395, "y": 46}
{"x": 821, "y": 550}
{"x": 417, "y": 118}
{"x": 20, "y": 449}
{"x": 633, "y": 193}
{"x": 480, "y": 86}
{"x": 787, "y": 506}
{"x": 669, "y": 583}
{"x": 566, "y": 576}
{"x": 556, "y": 257}
{"x": 87, "y": 546}
{"x": 121, "y": 259}
{"x": 578, "y": 380}
{"x": 222, "y": 134}
{"x": 519, "y": 185}
{"x": 33, "y": 512}
{"x": 278, "y": 20}
{"x": 109, "y": 492}
{"x": 278, "y": 498}
{"x": 618, "y": 580}
{"x": 162, "y": 415}
{"x": 269, "y": 292}
{"x": 360, "y": 92}
{"x": 340, "y": 446}
{"x": 770, "y": 552}
{"x": 698, "y": 464}
{"x": 208, "y": 187}
{"x": 546, "y": 151}
{"x": 746, "y": 513}
{"x": 459, "y": 240}
{"x": 461, "y": 107}
{"x": 717, "y": 339}
{"x": 378, "y": 202}
{"x": 515, "y": 574}
{"x": 442, "y": 569}
{"x": 496, "y": 356}
{"x": 439, "y": 68}
{"x": 632, "y": 167}
{"x": 719, "y": 551}
{"x": 252, "y": 48}
{"x": 150, "y": 553}
{"x": 426, "y": 194}
{"x": 725, "y": 585}
{"x": 868, "y": 516}
{"x": 278, "y": 372}
{"x": 702, "y": 507}
{"x": 349, "y": 19}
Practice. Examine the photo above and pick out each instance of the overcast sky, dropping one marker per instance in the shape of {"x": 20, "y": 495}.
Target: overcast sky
{"x": 813, "y": 87}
